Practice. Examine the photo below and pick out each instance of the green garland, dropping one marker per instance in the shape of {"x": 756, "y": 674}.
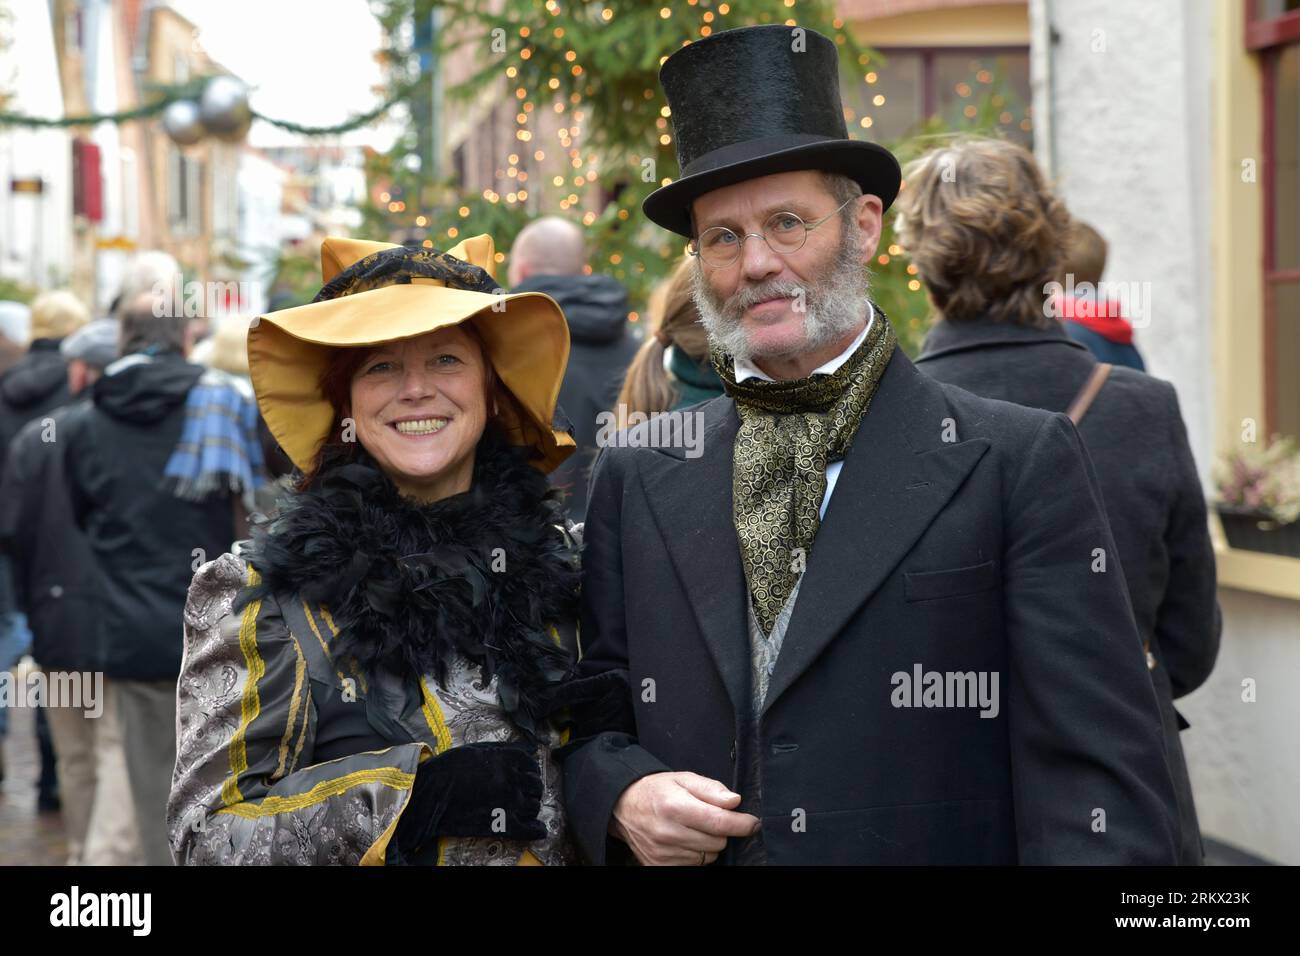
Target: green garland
{"x": 192, "y": 91}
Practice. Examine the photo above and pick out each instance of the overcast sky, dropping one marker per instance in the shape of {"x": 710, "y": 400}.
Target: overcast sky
{"x": 309, "y": 61}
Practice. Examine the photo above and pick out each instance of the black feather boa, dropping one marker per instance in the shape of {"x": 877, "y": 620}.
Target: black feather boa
{"x": 411, "y": 584}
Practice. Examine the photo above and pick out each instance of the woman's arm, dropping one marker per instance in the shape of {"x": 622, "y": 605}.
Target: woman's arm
{"x": 245, "y": 789}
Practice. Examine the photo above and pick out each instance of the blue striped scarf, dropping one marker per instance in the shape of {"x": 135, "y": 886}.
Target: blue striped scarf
{"x": 219, "y": 450}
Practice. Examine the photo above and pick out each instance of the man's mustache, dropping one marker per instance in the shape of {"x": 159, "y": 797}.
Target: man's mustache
{"x": 749, "y": 296}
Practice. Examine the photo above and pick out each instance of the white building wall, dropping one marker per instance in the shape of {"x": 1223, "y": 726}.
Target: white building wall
{"x": 35, "y": 230}
{"x": 260, "y": 194}
{"x": 1128, "y": 97}
{"x": 101, "y": 81}
{"x": 1126, "y": 92}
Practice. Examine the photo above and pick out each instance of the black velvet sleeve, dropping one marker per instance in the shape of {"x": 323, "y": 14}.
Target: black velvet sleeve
{"x": 604, "y": 758}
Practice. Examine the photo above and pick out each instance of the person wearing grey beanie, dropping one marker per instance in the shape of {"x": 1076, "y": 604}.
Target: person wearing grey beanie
{"x": 89, "y": 351}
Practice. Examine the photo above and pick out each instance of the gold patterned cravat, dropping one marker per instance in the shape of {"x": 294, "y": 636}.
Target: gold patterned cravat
{"x": 789, "y": 432}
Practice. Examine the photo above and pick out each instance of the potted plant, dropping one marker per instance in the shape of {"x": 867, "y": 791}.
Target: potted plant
{"x": 1259, "y": 497}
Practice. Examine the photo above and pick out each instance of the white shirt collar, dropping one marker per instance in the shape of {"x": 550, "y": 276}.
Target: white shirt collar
{"x": 745, "y": 369}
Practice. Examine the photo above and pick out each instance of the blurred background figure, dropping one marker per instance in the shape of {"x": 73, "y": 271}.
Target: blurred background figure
{"x": 1090, "y": 318}
{"x": 34, "y": 385}
{"x": 87, "y": 352}
{"x": 671, "y": 369}
{"x": 987, "y": 234}
{"x": 57, "y": 586}
{"x": 154, "y": 272}
{"x": 15, "y": 329}
{"x": 148, "y": 270}
{"x": 227, "y": 350}
{"x": 15, "y": 324}
{"x": 38, "y": 382}
{"x": 549, "y": 255}
{"x": 161, "y": 472}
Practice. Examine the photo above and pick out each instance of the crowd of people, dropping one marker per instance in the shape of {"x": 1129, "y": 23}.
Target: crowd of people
{"x": 366, "y": 588}
{"x": 123, "y": 462}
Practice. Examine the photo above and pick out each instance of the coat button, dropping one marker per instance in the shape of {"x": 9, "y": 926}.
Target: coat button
{"x": 56, "y": 591}
{"x": 733, "y": 751}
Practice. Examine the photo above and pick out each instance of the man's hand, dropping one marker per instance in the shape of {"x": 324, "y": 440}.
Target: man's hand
{"x": 670, "y": 819}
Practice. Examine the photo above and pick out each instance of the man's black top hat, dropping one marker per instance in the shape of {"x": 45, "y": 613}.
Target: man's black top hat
{"x": 755, "y": 101}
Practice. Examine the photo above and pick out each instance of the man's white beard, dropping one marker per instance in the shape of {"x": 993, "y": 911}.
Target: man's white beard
{"x": 836, "y": 305}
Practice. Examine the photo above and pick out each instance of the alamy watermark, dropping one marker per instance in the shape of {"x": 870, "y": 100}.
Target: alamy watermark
{"x": 1131, "y": 300}
{"x": 130, "y": 910}
{"x": 175, "y": 298}
{"x": 682, "y": 429}
{"x": 946, "y": 689}
{"x": 80, "y": 690}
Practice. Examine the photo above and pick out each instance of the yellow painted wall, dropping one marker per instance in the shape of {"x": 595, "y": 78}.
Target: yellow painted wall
{"x": 1237, "y": 251}
{"x": 1237, "y": 245}
{"x": 1005, "y": 24}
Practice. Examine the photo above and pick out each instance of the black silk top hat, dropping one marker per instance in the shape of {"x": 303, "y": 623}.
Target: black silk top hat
{"x": 755, "y": 101}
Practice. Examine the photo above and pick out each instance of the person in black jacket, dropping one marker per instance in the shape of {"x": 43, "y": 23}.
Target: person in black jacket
{"x": 151, "y": 517}
{"x": 58, "y": 587}
{"x": 33, "y": 386}
{"x": 549, "y": 256}
{"x": 862, "y": 625}
{"x": 996, "y": 339}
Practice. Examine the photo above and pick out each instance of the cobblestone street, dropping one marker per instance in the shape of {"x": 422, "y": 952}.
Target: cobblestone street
{"x": 27, "y": 838}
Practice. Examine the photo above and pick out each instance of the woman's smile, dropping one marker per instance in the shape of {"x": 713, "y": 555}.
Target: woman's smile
{"x": 421, "y": 427}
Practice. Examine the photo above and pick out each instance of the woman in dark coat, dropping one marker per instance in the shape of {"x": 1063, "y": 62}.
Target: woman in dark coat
{"x": 380, "y": 676}
{"x": 987, "y": 235}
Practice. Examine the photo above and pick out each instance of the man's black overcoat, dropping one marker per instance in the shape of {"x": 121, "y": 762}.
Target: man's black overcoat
{"x": 964, "y": 535}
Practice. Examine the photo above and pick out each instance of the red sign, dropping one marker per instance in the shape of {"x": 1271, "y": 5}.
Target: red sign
{"x": 87, "y": 185}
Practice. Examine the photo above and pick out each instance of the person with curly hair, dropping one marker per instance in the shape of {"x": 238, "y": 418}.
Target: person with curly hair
{"x": 988, "y": 237}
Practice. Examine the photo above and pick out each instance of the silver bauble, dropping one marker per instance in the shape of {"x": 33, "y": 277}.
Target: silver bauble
{"x": 224, "y": 108}
{"x": 180, "y": 121}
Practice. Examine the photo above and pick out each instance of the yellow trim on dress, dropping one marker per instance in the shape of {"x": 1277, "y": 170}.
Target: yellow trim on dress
{"x": 269, "y": 806}
{"x": 299, "y": 673}
{"x": 249, "y": 704}
{"x": 377, "y": 852}
{"x": 564, "y": 734}
{"x": 302, "y": 734}
{"x": 311, "y": 622}
{"x": 433, "y": 716}
{"x": 334, "y": 632}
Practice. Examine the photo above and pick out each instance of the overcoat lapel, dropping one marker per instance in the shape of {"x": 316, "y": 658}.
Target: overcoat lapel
{"x": 690, "y": 499}
{"x": 897, "y": 475}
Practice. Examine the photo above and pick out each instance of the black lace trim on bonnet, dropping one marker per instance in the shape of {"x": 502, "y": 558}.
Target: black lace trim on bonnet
{"x": 397, "y": 266}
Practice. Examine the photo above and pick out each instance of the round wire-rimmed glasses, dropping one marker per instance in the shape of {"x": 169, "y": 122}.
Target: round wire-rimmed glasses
{"x": 784, "y": 233}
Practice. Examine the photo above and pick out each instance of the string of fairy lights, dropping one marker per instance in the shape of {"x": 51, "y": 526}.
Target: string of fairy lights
{"x": 180, "y": 110}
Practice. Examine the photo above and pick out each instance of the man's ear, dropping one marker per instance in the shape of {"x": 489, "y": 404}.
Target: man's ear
{"x": 516, "y": 272}
{"x": 77, "y": 378}
{"x": 870, "y": 213}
